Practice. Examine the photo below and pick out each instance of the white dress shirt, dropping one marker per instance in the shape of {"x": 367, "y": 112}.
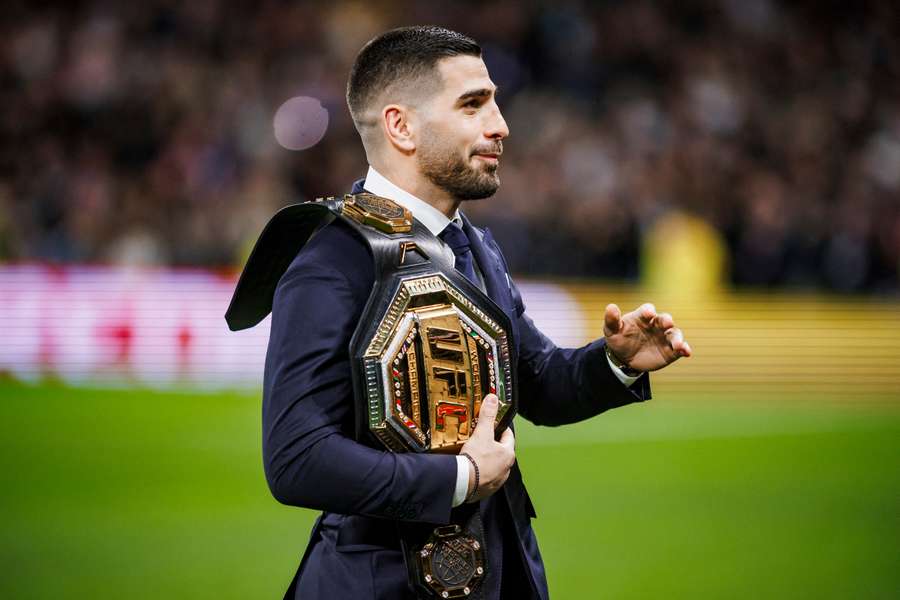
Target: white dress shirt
{"x": 436, "y": 222}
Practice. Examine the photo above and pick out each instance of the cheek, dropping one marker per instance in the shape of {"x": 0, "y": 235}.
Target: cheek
{"x": 452, "y": 136}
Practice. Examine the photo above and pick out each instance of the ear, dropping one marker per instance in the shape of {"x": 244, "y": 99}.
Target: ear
{"x": 399, "y": 127}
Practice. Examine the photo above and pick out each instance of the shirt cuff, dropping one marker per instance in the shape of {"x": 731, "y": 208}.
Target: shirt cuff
{"x": 462, "y": 481}
{"x": 626, "y": 379}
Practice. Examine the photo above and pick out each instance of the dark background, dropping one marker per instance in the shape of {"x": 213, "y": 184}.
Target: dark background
{"x": 141, "y": 132}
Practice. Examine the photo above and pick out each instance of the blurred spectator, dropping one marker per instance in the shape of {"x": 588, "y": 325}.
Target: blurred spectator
{"x": 142, "y": 132}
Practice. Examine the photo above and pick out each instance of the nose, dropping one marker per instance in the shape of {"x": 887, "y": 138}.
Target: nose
{"x": 496, "y": 128}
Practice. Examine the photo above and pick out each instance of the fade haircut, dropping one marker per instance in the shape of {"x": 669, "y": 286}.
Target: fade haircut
{"x": 401, "y": 60}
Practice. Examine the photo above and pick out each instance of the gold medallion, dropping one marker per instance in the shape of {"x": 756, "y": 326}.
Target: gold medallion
{"x": 451, "y": 562}
{"x": 375, "y": 211}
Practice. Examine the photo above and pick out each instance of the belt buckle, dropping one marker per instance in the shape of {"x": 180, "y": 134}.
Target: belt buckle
{"x": 451, "y": 562}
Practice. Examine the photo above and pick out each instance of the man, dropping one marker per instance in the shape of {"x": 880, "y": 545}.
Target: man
{"x": 424, "y": 105}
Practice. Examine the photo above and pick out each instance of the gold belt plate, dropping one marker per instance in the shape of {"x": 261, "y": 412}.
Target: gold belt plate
{"x": 433, "y": 358}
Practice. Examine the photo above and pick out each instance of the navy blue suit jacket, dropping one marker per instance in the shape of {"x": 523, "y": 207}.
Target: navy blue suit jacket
{"x": 312, "y": 460}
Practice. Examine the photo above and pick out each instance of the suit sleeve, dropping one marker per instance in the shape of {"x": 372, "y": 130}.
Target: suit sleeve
{"x": 557, "y": 385}
{"x": 311, "y": 459}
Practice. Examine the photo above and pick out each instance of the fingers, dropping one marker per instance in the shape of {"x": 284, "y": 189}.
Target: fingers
{"x": 654, "y": 326}
{"x": 486, "y": 417}
{"x": 508, "y": 440}
{"x": 612, "y": 320}
{"x": 647, "y": 312}
{"x": 675, "y": 337}
{"x": 676, "y": 340}
{"x": 664, "y": 321}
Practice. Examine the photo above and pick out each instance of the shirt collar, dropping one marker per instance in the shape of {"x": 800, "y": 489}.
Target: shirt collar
{"x": 429, "y": 216}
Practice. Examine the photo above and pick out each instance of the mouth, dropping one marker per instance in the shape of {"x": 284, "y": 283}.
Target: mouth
{"x": 489, "y": 157}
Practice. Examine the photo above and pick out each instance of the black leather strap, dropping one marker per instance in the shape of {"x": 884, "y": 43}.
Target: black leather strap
{"x": 280, "y": 241}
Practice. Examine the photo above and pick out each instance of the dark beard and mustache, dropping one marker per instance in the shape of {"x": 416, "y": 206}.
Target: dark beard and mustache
{"x": 445, "y": 168}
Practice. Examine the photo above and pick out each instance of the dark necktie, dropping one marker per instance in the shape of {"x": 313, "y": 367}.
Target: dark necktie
{"x": 458, "y": 241}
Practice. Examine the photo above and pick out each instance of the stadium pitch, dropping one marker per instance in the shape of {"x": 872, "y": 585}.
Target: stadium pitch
{"x": 161, "y": 495}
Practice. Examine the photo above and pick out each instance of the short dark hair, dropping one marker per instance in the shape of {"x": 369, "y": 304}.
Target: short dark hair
{"x": 401, "y": 55}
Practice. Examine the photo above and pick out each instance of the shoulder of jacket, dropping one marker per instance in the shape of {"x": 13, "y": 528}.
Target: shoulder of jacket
{"x": 339, "y": 249}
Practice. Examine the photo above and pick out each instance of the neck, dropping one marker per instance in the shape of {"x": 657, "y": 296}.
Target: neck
{"x": 420, "y": 187}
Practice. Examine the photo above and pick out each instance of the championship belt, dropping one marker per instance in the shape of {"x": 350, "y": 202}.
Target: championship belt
{"x": 429, "y": 346}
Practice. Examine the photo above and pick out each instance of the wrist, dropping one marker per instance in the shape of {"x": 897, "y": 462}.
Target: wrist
{"x": 473, "y": 476}
{"x": 463, "y": 474}
{"x": 621, "y": 364}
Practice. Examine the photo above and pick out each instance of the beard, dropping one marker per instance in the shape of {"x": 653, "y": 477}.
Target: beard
{"x": 445, "y": 168}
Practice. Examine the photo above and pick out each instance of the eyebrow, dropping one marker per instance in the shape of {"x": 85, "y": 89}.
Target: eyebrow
{"x": 479, "y": 93}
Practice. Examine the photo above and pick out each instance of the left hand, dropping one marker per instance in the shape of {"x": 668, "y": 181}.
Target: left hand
{"x": 643, "y": 339}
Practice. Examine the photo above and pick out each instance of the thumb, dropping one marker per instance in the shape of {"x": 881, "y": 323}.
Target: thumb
{"x": 612, "y": 320}
{"x": 487, "y": 415}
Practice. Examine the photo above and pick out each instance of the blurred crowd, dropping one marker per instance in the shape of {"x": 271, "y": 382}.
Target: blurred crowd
{"x": 142, "y": 132}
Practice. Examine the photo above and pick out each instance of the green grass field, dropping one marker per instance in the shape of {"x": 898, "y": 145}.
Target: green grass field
{"x": 138, "y": 494}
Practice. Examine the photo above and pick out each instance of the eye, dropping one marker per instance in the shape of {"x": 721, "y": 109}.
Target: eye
{"x": 472, "y": 104}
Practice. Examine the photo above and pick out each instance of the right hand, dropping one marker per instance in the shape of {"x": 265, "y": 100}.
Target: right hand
{"x": 494, "y": 459}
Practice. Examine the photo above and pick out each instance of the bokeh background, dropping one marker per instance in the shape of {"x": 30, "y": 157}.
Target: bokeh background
{"x": 735, "y": 162}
